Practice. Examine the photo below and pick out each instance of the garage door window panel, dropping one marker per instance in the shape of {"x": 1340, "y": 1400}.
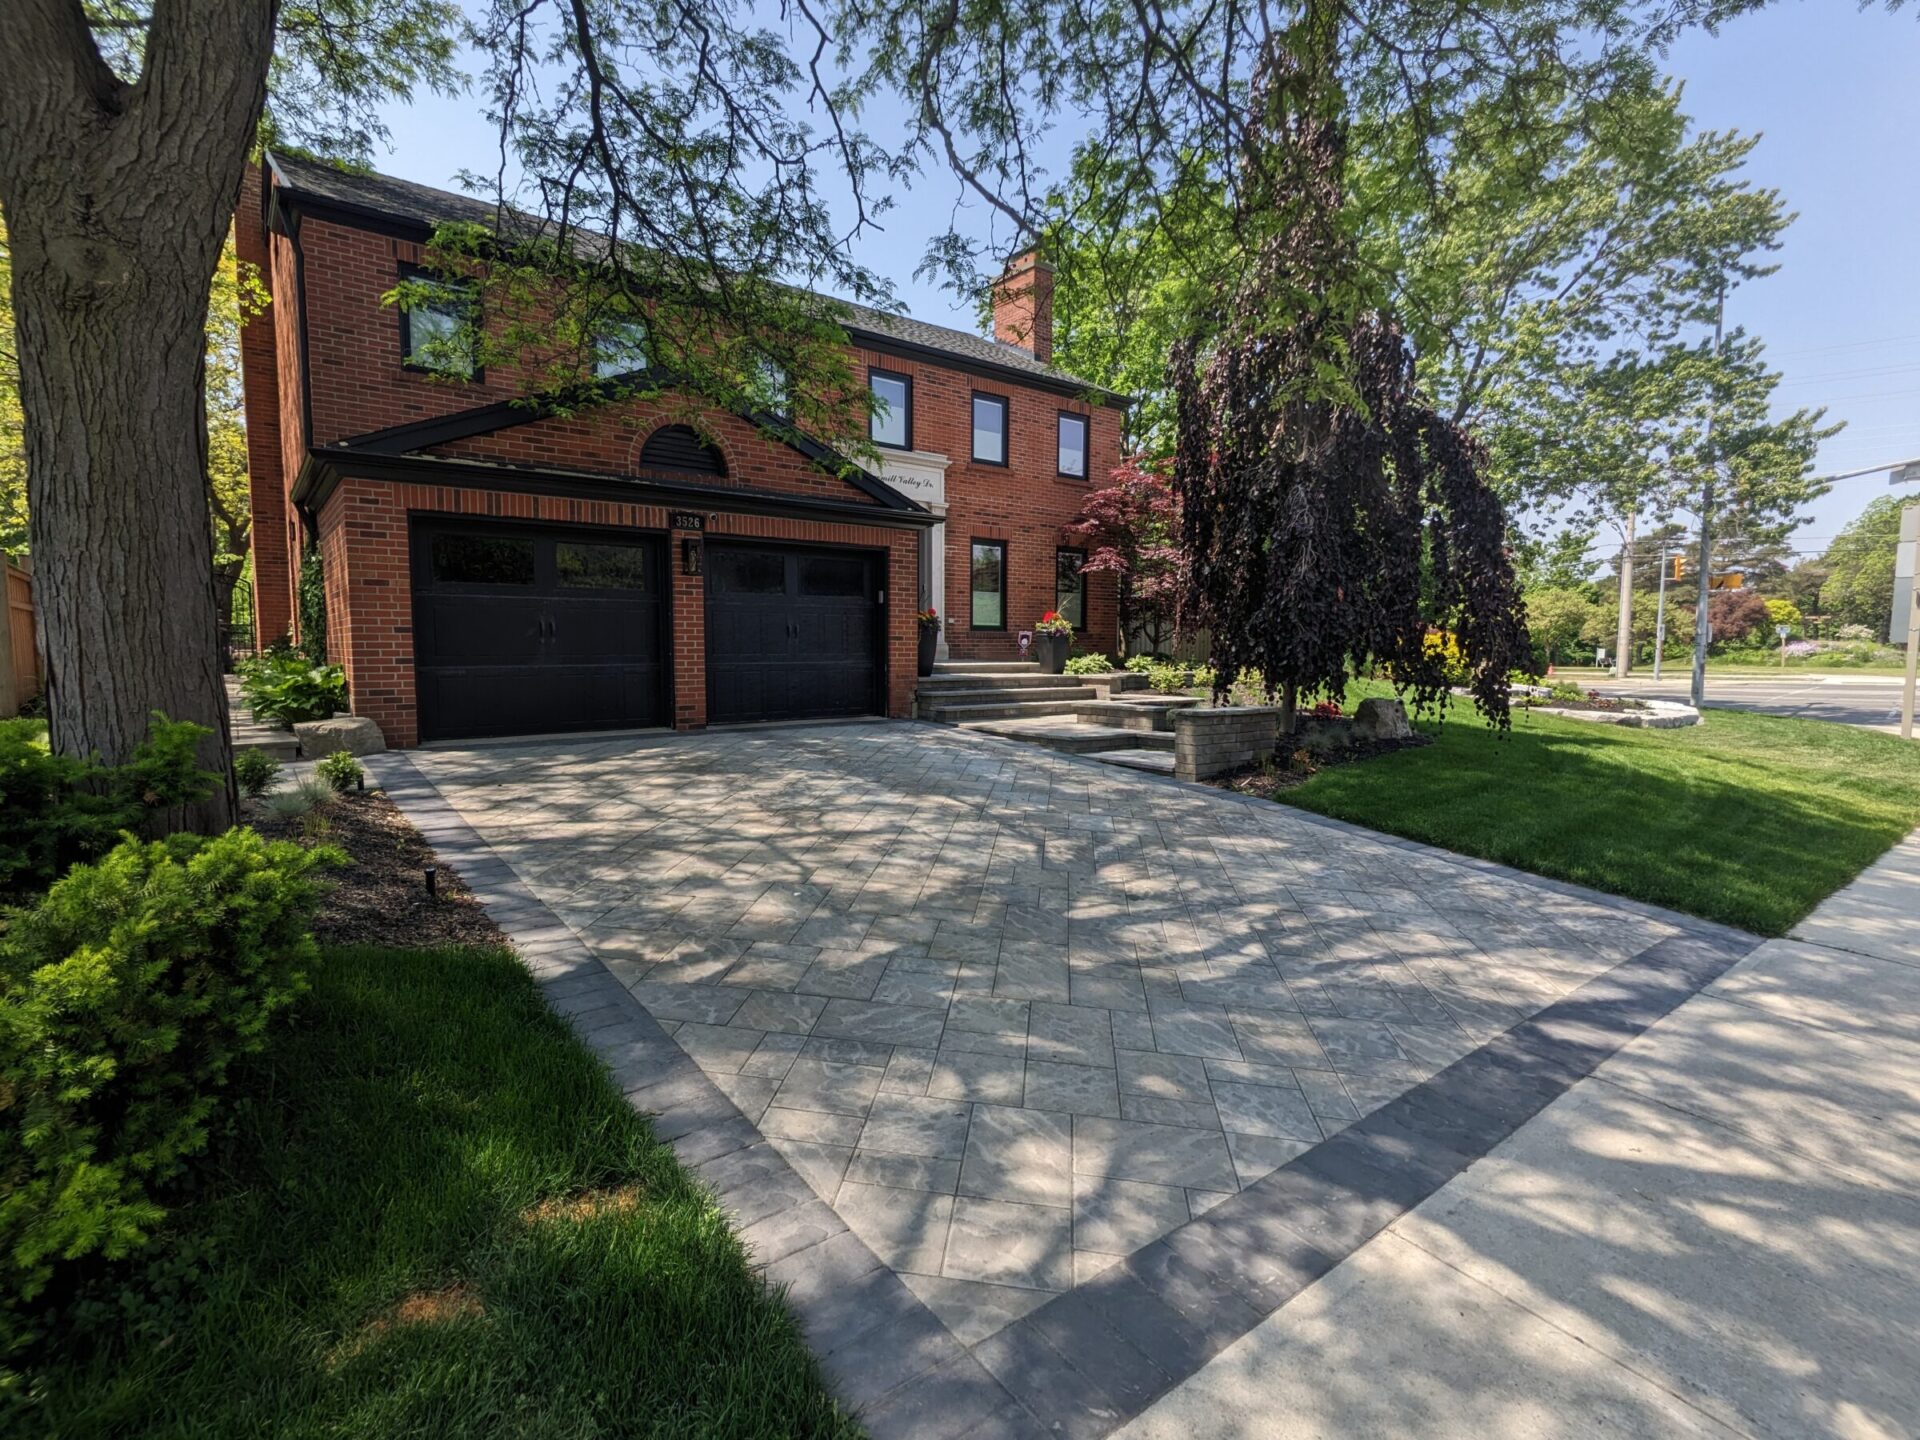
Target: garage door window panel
{"x": 601, "y": 567}
{"x": 482, "y": 560}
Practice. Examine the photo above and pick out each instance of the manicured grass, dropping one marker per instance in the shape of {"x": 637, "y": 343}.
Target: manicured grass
{"x": 1747, "y": 819}
{"x": 436, "y": 1217}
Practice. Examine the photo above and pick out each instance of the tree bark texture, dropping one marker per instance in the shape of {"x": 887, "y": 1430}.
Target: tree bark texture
{"x": 118, "y": 196}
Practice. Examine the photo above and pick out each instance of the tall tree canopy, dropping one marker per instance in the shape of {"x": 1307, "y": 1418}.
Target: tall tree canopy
{"x": 1859, "y": 585}
{"x": 1330, "y": 513}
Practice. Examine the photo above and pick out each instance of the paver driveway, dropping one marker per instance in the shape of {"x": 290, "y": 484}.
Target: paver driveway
{"x": 1015, "y": 1016}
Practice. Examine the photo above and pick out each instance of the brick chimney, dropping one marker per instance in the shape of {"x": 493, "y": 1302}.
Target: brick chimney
{"x": 1023, "y": 305}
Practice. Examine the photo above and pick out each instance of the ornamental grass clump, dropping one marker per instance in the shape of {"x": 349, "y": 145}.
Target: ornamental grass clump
{"x": 125, "y": 995}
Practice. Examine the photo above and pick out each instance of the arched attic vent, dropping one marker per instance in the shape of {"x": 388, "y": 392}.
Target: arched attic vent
{"x": 679, "y": 447}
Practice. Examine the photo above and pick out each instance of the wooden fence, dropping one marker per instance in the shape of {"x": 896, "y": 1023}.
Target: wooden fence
{"x": 19, "y": 659}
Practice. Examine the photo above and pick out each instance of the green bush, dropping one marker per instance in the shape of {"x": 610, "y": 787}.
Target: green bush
{"x": 1141, "y": 664}
{"x": 1167, "y": 679}
{"x": 1088, "y": 665}
{"x": 61, "y": 810}
{"x": 254, "y": 771}
{"x": 340, "y": 770}
{"x": 280, "y": 685}
{"x": 124, "y": 996}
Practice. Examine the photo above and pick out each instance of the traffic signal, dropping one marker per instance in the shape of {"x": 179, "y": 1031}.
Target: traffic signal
{"x": 1679, "y": 567}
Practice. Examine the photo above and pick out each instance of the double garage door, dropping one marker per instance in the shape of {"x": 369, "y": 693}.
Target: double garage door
{"x": 522, "y": 630}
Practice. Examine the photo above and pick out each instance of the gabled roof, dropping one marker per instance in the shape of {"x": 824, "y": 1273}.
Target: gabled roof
{"x": 418, "y": 436}
{"x": 375, "y": 197}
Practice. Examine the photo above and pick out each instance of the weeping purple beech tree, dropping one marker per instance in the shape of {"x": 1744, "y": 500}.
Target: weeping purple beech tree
{"x": 1330, "y": 515}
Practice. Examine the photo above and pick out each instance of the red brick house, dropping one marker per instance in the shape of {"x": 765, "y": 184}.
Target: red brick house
{"x": 493, "y": 570}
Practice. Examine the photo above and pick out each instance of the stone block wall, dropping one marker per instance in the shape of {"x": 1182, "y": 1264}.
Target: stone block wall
{"x": 1211, "y": 741}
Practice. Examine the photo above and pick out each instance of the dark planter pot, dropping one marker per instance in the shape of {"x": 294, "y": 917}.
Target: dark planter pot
{"x": 929, "y": 647}
{"x": 1051, "y": 652}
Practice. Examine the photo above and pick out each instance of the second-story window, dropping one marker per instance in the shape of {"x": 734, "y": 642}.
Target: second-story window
{"x": 621, "y": 349}
{"x": 989, "y": 429}
{"x": 1073, "y": 445}
{"x": 770, "y": 386}
{"x": 436, "y": 328}
{"x": 892, "y": 409}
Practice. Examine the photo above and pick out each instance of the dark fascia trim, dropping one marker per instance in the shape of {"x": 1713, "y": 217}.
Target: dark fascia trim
{"x": 1007, "y": 374}
{"x": 504, "y": 414}
{"x": 324, "y": 469}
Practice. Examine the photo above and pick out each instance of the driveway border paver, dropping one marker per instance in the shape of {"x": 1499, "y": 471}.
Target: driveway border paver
{"x": 1087, "y": 1360}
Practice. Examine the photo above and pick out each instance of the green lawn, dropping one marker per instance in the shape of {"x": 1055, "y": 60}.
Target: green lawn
{"x": 1747, "y": 819}
{"x": 435, "y": 1216}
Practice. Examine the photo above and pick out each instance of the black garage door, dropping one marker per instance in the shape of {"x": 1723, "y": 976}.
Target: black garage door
{"x": 792, "y": 634}
{"x": 520, "y": 631}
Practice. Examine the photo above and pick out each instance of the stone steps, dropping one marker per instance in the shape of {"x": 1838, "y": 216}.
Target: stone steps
{"x": 954, "y": 683}
{"x": 1073, "y": 736}
{"x": 1160, "y": 762}
{"x": 1003, "y": 705}
{"x": 986, "y": 667}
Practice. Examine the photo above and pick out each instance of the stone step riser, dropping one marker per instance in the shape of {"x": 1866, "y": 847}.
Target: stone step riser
{"x": 986, "y": 667}
{"x": 950, "y": 684}
{"x": 1014, "y": 710}
{"x": 1070, "y": 744}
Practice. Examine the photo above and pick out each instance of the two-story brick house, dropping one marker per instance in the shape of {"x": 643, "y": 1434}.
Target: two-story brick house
{"x": 493, "y": 569}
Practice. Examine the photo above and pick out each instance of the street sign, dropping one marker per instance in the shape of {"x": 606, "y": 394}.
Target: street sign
{"x": 1907, "y": 474}
{"x": 1783, "y": 631}
{"x": 1903, "y": 568}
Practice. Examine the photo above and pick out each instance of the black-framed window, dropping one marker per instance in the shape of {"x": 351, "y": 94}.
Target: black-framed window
{"x": 1070, "y": 586}
{"x": 989, "y": 585}
{"x": 621, "y": 349}
{"x": 436, "y": 329}
{"x": 892, "y": 423}
{"x": 989, "y": 429}
{"x": 1074, "y": 433}
{"x": 771, "y": 385}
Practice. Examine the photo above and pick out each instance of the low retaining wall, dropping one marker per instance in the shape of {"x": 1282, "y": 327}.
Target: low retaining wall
{"x": 1211, "y": 740}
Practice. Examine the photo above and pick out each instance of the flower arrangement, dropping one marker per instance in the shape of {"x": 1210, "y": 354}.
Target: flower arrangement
{"x": 1051, "y": 623}
{"x": 929, "y": 618}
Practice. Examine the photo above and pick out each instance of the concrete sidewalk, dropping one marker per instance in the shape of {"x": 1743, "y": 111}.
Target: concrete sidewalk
{"x": 1718, "y": 1233}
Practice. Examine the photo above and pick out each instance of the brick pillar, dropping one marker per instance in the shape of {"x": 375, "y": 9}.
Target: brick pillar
{"x": 260, "y": 380}
{"x": 688, "y": 631}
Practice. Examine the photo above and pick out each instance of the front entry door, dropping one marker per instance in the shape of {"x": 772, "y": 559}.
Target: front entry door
{"x": 792, "y": 634}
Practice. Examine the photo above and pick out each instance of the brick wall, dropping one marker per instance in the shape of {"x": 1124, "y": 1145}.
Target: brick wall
{"x": 1210, "y": 741}
{"x": 1024, "y": 503}
{"x": 364, "y": 546}
{"x": 265, "y": 407}
{"x": 358, "y": 384}
{"x": 609, "y": 438}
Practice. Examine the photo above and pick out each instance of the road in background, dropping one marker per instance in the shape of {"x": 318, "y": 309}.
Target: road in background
{"x": 1870, "y": 701}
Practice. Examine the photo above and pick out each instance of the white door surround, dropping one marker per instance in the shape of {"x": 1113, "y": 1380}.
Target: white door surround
{"x": 922, "y": 475}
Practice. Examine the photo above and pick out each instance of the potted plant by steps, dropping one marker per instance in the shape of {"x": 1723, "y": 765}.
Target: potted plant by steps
{"x": 929, "y": 640}
{"x": 1052, "y": 638}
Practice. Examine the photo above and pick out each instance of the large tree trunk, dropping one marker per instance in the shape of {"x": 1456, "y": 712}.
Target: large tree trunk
{"x": 117, "y": 199}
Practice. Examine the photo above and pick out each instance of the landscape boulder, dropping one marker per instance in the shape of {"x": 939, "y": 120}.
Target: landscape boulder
{"x": 354, "y": 734}
{"x": 1381, "y": 720}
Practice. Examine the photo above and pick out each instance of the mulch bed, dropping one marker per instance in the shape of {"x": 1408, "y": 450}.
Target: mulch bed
{"x": 1301, "y": 767}
{"x": 380, "y": 898}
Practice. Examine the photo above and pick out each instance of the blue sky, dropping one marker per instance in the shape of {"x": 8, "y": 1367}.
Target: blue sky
{"x": 1829, "y": 89}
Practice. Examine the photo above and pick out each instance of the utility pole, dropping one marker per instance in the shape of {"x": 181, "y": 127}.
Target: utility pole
{"x": 1701, "y": 628}
{"x": 1623, "y": 633}
{"x": 1660, "y": 613}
